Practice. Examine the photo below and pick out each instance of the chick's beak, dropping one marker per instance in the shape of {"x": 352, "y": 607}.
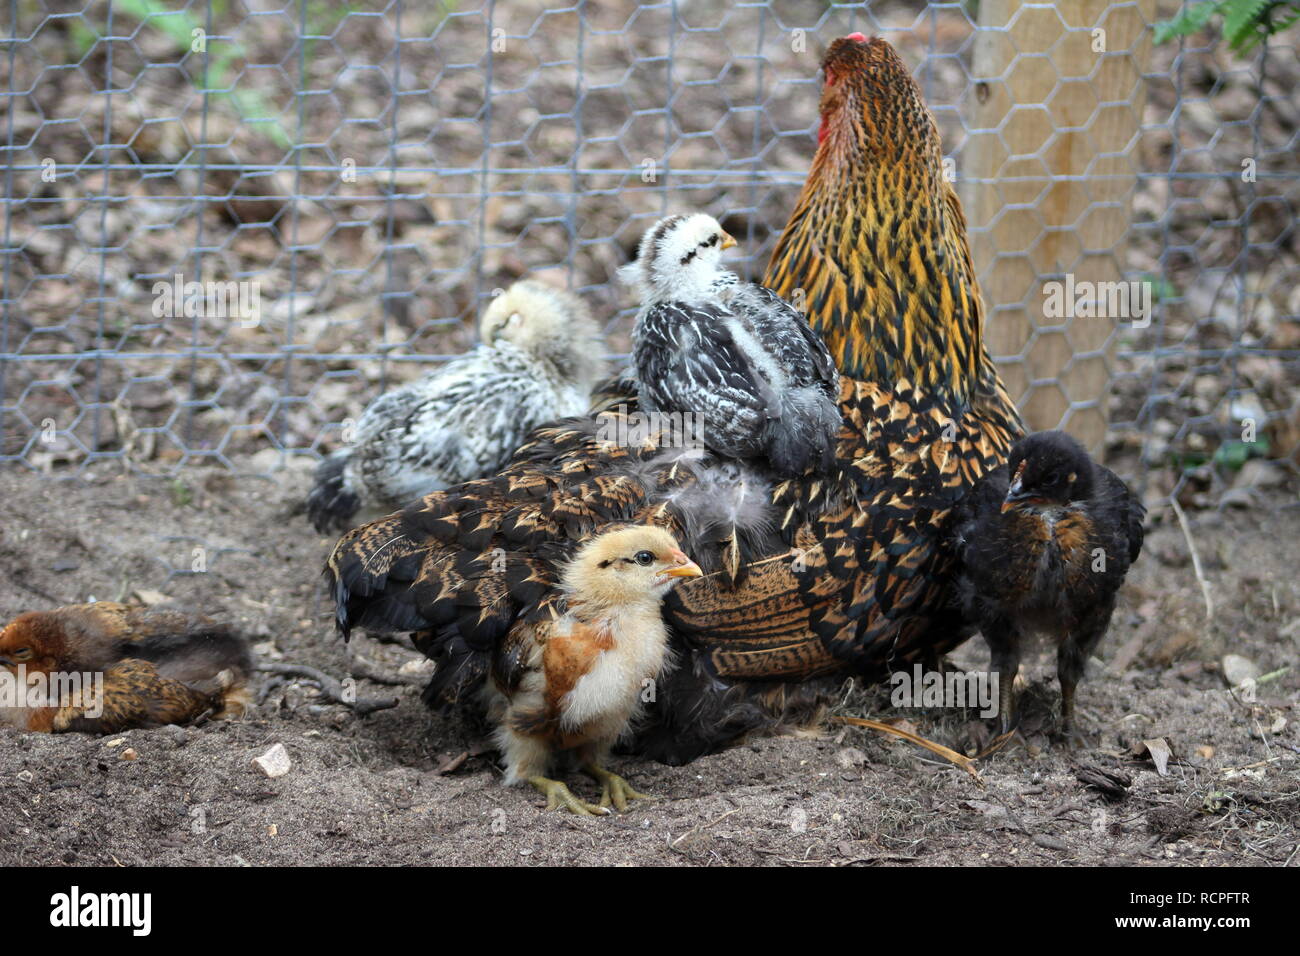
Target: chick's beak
{"x": 727, "y": 241}
{"x": 1016, "y": 495}
{"x": 684, "y": 568}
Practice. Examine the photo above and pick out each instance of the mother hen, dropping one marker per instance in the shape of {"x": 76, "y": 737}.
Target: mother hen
{"x": 807, "y": 579}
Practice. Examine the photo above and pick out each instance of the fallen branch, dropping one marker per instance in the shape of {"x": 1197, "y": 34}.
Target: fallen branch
{"x": 966, "y": 763}
{"x": 367, "y": 669}
{"x": 331, "y": 689}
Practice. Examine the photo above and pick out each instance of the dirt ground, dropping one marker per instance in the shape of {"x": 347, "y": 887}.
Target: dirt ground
{"x": 405, "y": 786}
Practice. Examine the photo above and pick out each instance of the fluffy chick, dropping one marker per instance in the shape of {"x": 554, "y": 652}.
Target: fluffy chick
{"x": 569, "y": 679}
{"x": 730, "y": 351}
{"x": 540, "y": 354}
{"x": 1046, "y": 550}
{"x": 158, "y": 666}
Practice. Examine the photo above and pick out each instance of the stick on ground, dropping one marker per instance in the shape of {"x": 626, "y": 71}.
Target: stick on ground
{"x": 330, "y": 688}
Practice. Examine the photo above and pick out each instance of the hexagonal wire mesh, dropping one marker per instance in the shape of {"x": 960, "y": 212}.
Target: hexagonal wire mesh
{"x": 371, "y": 172}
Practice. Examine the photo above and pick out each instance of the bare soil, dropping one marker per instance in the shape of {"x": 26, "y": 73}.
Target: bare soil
{"x": 394, "y": 788}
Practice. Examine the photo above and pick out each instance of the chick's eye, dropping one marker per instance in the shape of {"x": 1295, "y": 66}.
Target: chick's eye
{"x": 644, "y": 558}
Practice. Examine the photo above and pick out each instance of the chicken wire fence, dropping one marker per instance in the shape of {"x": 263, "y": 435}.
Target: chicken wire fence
{"x": 228, "y": 225}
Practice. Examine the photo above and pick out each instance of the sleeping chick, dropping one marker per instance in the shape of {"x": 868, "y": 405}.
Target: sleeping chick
{"x": 731, "y": 352}
{"x": 541, "y": 354}
{"x": 103, "y": 668}
{"x": 569, "y": 679}
{"x": 1045, "y": 551}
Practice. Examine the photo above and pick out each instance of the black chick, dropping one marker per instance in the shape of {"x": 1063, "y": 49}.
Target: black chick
{"x": 1045, "y": 552}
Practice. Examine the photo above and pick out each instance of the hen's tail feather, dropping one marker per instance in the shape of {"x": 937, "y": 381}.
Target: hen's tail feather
{"x": 331, "y": 503}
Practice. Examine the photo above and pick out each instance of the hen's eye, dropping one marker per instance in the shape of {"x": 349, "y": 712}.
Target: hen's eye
{"x": 22, "y": 654}
{"x": 644, "y": 558}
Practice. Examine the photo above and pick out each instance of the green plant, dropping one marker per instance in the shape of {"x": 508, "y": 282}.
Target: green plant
{"x": 1245, "y": 22}
{"x": 219, "y": 75}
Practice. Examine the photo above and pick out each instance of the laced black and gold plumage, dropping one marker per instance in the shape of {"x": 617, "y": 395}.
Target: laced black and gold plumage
{"x": 806, "y": 579}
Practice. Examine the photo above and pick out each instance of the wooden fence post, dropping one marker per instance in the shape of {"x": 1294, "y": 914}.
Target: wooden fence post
{"x": 1049, "y": 172}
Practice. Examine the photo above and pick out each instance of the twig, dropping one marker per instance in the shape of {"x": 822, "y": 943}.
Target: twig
{"x": 330, "y": 688}
{"x": 950, "y": 755}
{"x": 1196, "y": 558}
{"x": 702, "y": 826}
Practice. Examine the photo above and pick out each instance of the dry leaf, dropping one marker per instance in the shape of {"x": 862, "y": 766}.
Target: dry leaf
{"x": 1158, "y": 749}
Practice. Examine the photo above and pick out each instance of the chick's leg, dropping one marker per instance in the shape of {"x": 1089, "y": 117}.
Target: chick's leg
{"x": 526, "y": 759}
{"x": 1072, "y": 660}
{"x": 1004, "y": 660}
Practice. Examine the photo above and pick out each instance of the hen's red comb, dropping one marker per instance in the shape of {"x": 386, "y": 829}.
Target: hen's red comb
{"x": 856, "y": 37}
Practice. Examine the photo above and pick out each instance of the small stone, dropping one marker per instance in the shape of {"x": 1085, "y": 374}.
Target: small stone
{"x": 1237, "y": 497}
{"x": 850, "y": 757}
{"x": 268, "y": 650}
{"x": 129, "y": 754}
{"x": 1259, "y": 473}
{"x": 175, "y": 733}
{"x": 25, "y": 776}
{"x": 275, "y": 762}
{"x": 416, "y": 668}
{"x": 1237, "y": 669}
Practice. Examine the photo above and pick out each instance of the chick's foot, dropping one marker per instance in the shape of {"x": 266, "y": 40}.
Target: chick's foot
{"x": 558, "y": 795}
{"x": 615, "y": 790}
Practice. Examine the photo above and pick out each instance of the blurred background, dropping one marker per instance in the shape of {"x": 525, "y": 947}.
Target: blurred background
{"x": 374, "y": 170}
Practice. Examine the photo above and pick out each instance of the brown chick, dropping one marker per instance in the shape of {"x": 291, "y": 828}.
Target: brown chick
{"x": 570, "y": 678}
{"x": 105, "y": 667}
{"x": 1045, "y": 544}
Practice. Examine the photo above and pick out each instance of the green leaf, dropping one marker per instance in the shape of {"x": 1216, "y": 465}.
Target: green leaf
{"x": 1241, "y": 22}
{"x": 1233, "y": 454}
{"x": 1188, "y": 21}
{"x": 179, "y": 25}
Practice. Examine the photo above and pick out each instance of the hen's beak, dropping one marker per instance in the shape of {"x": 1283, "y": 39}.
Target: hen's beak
{"x": 686, "y": 568}
{"x": 727, "y": 241}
